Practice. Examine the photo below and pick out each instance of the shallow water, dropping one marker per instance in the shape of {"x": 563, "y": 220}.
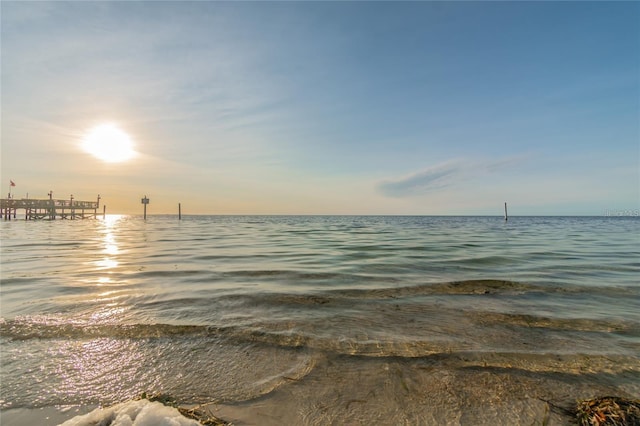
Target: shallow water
{"x": 314, "y": 320}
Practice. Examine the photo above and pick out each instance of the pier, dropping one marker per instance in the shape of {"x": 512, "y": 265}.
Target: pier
{"x": 49, "y": 208}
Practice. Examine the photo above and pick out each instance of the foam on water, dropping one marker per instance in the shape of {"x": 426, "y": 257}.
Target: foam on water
{"x": 133, "y": 413}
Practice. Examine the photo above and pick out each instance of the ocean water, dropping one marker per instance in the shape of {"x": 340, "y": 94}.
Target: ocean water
{"x": 321, "y": 320}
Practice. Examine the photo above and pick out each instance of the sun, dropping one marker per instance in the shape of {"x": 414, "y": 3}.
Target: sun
{"x": 108, "y": 143}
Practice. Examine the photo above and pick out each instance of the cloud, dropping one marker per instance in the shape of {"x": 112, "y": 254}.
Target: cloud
{"x": 432, "y": 179}
{"x": 443, "y": 175}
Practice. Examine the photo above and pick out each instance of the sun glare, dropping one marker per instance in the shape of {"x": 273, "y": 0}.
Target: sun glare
{"x": 108, "y": 143}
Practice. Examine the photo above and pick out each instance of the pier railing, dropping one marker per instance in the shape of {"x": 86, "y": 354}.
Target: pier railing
{"x": 48, "y": 208}
{"x": 31, "y": 203}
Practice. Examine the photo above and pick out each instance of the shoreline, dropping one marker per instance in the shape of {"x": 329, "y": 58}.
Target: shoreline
{"x": 469, "y": 398}
{"x": 392, "y": 390}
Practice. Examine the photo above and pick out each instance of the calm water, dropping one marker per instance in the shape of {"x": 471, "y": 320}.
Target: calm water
{"x": 323, "y": 320}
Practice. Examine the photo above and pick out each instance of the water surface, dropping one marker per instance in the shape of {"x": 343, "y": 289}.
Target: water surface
{"x": 313, "y": 320}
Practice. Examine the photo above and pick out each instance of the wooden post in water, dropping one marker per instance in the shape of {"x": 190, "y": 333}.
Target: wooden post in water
{"x": 506, "y": 217}
{"x": 145, "y": 201}
{"x": 104, "y": 212}
{"x": 52, "y": 209}
{"x": 179, "y": 211}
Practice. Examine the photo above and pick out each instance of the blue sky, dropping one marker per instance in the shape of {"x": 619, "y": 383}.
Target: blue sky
{"x": 327, "y": 107}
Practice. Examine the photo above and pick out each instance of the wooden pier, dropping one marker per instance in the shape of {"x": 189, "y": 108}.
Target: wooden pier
{"x": 48, "y": 209}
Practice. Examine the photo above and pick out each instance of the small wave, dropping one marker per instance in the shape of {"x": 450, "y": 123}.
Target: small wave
{"x": 288, "y": 274}
{"x": 482, "y": 286}
{"x": 350, "y": 296}
{"x": 441, "y": 331}
{"x": 337, "y": 294}
{"x": 21, "y": 281}
{"x": 272, "y": 335}
{"x": 169, "y": 273}
{"x": 42, "y": 328}
{"x": 494, "y": 260}
{"x": 570, "y": 324}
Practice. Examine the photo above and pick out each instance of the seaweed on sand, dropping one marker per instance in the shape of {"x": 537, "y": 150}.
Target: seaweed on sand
{"x": 198, "y": 413}
{"x": 608, "y": 411}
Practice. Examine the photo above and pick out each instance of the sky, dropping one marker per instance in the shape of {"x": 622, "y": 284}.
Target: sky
{"x": 393, "y": 108}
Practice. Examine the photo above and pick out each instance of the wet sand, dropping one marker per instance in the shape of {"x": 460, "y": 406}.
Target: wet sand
{"x": 473, "y": 389}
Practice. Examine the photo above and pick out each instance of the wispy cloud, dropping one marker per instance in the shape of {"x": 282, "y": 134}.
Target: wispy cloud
{"x": 443, "y": 175}
{"x": 431, "y": 179}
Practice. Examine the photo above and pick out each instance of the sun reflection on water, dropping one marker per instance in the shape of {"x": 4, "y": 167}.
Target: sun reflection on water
{"x": 107, "y": 263}
{"x": 95, "y": 369}
{"x": 110, "y": 246}
{"x": 110, "y": 301}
